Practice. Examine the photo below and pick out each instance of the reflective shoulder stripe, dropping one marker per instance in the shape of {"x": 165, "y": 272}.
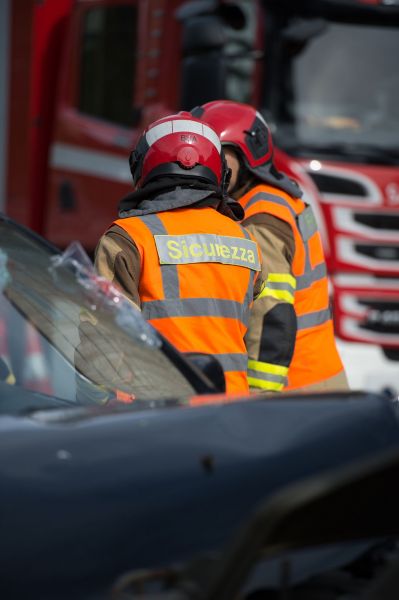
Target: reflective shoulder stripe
{"x": 154, "y": 223}
{"x": 170, "y": 277}
{"x": 205, "y": 248}
{"x": 267, "y": 197}
{"x": 304, "y": 281}
{"x": 307, "y": 223}
{"x": 313, "y": 319}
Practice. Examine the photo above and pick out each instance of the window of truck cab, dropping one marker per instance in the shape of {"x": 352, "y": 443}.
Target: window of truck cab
{"x": 333, "y": 82}
{"x": 108, "y": 63}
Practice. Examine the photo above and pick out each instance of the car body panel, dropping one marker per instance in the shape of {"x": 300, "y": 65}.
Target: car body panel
{"x": 88, "y": 494}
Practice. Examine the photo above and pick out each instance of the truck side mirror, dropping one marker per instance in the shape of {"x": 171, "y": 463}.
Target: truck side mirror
{"x": 203, "y": 76}
{"x": 136, "y": 115}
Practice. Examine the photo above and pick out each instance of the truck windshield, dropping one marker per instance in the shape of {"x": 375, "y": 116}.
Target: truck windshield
{"x": 336, "y": 85}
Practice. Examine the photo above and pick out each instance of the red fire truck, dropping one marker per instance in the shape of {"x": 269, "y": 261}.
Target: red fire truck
{"x": 85, "y": 76}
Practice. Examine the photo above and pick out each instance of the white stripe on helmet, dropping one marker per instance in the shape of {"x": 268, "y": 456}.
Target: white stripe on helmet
{"x": 159, "y": 131}
{"x": 182, "y": 125}
{"x": 187, "y": 125}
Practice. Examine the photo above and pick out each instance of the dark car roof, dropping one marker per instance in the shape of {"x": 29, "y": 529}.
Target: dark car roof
{"x": 88, "y": 494}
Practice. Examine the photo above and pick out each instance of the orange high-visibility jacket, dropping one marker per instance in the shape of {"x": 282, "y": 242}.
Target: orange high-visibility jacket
{"x": 315, "y": 356}
{"x": 198, "y": 270}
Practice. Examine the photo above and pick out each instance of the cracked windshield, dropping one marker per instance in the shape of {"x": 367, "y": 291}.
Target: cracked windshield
{"x": 65, "y": 332}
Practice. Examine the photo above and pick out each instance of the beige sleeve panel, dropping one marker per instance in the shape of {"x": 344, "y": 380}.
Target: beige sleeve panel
{"x": 271, "y": 334}
{"x": 276, "y": 241}
{"x": 118, "y": 260}
{"x": 258, "y": 281}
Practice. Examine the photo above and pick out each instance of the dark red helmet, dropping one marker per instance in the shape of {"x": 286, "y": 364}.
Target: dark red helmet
{"x": 180, "y": 146}
{"x": 243, "y": 127}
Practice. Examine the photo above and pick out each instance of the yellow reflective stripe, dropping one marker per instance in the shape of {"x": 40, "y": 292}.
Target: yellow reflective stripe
{"x": 265, "y": 385}
{"x": 280, "y": 286}
{"x": 278, "y": 294}
{"x": 266, "y": 375}
{"x": 264, "y": 367}
{"x": 282, "y": 278}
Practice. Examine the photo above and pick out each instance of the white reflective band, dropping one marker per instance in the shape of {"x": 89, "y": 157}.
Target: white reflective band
{"x": 186, "y": 125}
{"x": 182, "y": 125}
{"x": 212, "y": 136}
{"x": 67, "y": 157}
{"x": 158, "y": 132}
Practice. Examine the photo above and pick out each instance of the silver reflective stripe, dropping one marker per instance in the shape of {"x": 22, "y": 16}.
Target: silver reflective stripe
{"x": 182, "y": 126}
{"x": 272, "y": 198}
{"x": 206, "y": 248}
{"x": 314, "y": 318}
{"x": 308, "y": 264}
{"x": 307, "y": 224}
{"x": 253, "y": 374}
{"x": 170, "y": 277}
{"x": 279, "y": 285}
{"x": 304, "y": 281}
{"x": 233, "y": 362}
{"x": 192, "y": 307}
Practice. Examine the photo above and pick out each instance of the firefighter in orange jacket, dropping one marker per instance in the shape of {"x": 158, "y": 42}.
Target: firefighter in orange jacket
{"x": 290, "y": 341}
{"x": 177, "y": 250}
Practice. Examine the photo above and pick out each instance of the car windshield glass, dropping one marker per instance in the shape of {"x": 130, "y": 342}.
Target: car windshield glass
{"x": 338, "y": 85}
{"x": 65, "y": 332}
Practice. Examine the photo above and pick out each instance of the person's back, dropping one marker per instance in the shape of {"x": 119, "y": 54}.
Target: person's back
{"x": 176, "y": 253}
{"x": 291, "y": 333}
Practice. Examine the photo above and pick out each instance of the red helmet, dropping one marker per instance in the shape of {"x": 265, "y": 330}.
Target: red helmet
{"x": 244, "y": 128}
{"x": 239, "y": 125}
{"x": 180, "y": 146}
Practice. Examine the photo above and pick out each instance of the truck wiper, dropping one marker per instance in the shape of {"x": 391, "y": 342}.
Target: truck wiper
{"x": 355, "y": 151}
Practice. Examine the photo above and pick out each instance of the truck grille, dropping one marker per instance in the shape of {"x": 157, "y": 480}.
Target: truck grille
{"x": 331, "y": 184}
{"x": 380, "y": 222}
{"x": 382, "y": 317}
{"x": 366, "y": 309}
{"x": 342, "y": 186}
{"x": 378, "y": 252}
{"x": 364, "y": 242}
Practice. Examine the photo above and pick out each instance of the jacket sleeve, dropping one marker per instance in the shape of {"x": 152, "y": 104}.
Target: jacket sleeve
{"x": 118, "y": 260}
{"x": 272, "y": 327}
